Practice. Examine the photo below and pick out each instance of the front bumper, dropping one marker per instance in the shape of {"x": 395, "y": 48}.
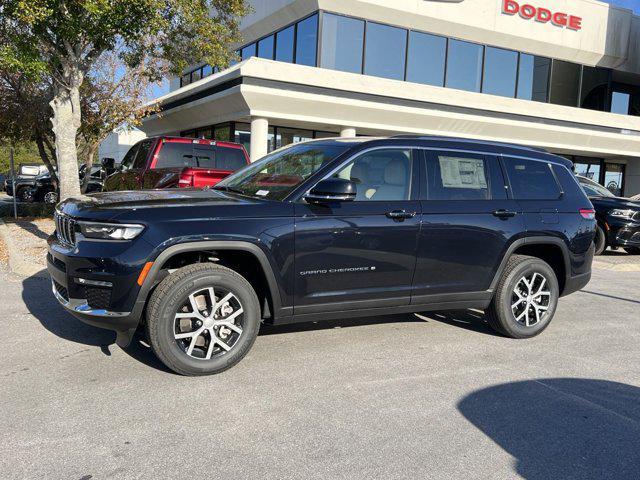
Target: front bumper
{"x": 623, "y": 233}
{"x": 96, "y": 283}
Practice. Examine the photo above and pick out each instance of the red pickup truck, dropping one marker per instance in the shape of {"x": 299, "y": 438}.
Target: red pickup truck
{"x": 176, "y": 162}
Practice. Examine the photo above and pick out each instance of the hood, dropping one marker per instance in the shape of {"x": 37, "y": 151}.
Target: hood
{"x": 615, "y": 202}
{"x": 110, "y": 205}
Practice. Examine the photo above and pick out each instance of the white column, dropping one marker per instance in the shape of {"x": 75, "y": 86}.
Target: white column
{"x": 348, "y": 132}
{"x": 259, "y": 138}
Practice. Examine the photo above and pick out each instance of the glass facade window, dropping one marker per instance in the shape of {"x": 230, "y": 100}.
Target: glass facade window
{"x": 307, "y": 41}
{"x": 248, "y": 51}
{"x": 222, "y": 133}
{"x": 587, "y": 167}
{"x": 464, "y": 65}
{"x": 620, "y": 102}
{"x": 500, "y": 72}
{"x": 265, "y": 47}
{"x": 533, "y": 78}
{"x": 385, "y": 52}
{"x": 614, "y": 178}
{"x": 426, "y": 59}
{"x": 196, "y": 75}
{"x": 342, "y": 43}
{"x": 565, "y": 83}
{"x": 284, "y": 45}
{"x": 207, "y": 70}
{"x": 286, "y": 136}
{"x": 594, "y": 89}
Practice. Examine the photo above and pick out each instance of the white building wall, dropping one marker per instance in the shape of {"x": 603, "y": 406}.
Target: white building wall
{"x": 118, "y": 143}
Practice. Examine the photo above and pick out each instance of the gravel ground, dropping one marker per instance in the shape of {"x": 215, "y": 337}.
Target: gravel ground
{"x": 30, "y": 235}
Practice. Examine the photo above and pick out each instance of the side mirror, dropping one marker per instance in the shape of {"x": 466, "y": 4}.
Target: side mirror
{"x": 108, "y": 163}
{"x": 332, "y": 190}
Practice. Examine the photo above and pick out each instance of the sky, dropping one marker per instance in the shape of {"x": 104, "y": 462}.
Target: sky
{"x": 630, "y": 4}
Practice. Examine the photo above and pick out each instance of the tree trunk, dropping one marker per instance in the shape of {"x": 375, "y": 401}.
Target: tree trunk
{"x": 43, "y": 155}
{"x": 66, "y": 122}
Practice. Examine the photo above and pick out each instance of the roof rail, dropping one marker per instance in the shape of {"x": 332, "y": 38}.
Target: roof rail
{"x": 470, "y": 140}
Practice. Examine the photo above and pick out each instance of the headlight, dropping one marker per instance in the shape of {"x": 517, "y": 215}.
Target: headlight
{"x": 110, "y": 231}
{"x": 622, "y": 213}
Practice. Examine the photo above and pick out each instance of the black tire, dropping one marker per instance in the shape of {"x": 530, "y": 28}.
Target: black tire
{"x": 500, "y": 316}
{"x": 600, "y": 241}
{"x": 24, "y": 195}
{"x": 632, "y": 250}
{"x": 169, "y": 297}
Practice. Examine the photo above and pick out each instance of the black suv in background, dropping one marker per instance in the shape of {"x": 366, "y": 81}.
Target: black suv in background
{"x": 618, "y": 218}
{"x": 327, "y": 229}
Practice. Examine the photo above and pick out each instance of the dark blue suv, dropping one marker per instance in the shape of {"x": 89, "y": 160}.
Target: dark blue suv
{"x": 328, "y": 229}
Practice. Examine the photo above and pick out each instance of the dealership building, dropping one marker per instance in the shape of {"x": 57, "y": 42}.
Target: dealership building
{"x": 563, "y": 75}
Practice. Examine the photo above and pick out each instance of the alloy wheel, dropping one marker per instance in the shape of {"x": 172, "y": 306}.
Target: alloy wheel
{"x": 208, "y": 323}
{"x": 531, "y": 299}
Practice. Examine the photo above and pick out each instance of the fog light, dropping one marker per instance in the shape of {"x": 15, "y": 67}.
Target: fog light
{"x": 94, "y": 283}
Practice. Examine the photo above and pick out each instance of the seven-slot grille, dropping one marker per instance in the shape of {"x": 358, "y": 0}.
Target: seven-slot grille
{"x": 65, "y": 229}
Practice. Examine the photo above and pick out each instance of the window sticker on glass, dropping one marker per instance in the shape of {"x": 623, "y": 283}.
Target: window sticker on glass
{"x": 262, "y": 193}
{"x": 462, "y": 173}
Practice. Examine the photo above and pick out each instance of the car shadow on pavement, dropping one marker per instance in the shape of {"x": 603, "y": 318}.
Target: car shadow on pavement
{"x": 564, "y": 428}
{"x": 37, "y": 296}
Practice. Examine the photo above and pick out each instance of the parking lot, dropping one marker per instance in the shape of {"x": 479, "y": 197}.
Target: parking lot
{"x": 407, "y": 396}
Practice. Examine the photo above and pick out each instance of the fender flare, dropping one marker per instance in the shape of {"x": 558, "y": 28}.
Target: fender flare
{"x": 535, "y": 240}
{"x": 249, "y": 247}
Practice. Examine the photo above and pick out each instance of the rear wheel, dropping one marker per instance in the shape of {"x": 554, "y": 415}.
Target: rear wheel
{"x": 525, "y": 298}
{"x": 202, "y": 319}
{"x": 600, "y": 241}
{"x": 632, "y": 250}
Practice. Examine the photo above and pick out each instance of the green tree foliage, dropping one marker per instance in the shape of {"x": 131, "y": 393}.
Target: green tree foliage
{"x": 25, "y": 152}
{"x": 61, "y": 40}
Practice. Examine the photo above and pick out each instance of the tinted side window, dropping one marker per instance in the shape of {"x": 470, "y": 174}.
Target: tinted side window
{"x": 381, "y": 175}
{"x": 230, "y": 158}
{"x": 175, "y": 155}
{"x": 127, "y": 161}
{"x": 458, "y": 176}
{"x": 143, "y": 154}
{"x": 531, "y": 180}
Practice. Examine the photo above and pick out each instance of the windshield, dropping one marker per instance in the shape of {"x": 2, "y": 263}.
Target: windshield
{"x": 277, "y": 175}
{"x": 593, "y": 189}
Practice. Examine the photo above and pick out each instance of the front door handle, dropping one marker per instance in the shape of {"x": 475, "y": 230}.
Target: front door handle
{"x": 400, "y": 215}
{"x": 502, "y": 213}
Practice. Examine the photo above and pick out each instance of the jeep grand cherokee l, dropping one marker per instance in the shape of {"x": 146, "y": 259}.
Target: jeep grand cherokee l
{"x": 176, "y": 162}
{"x": 322, "y": 230}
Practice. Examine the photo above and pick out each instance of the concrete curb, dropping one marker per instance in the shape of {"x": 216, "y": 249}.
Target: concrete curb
{"x": 16, "y": 263}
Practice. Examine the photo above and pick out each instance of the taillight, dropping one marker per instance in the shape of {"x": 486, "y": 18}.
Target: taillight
{"x": 588, "y": 213}
{"x": 186, "y": 180}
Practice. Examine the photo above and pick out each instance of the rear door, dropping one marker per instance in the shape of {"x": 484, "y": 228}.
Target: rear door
{"x": 538, "y": 193}
{"x": 467, "y": 224}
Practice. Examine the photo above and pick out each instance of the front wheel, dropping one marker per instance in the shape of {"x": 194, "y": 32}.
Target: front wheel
{"x": 600, "y": 241}
{"x": 203, "y": 319}
{"x": 525, "y": 298}
{"x": 51, "y": 198}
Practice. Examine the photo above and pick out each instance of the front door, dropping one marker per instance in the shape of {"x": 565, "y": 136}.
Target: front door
{"x": 467, "y": 224}
{"x": 360, "y": 254}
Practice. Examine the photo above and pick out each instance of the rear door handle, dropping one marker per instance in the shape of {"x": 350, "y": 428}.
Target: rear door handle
{"x": 502, "y": 213}
{"x": 400, "y": 215}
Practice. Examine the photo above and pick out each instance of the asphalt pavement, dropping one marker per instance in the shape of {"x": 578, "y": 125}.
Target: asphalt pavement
{"x": 407, "y": 396}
